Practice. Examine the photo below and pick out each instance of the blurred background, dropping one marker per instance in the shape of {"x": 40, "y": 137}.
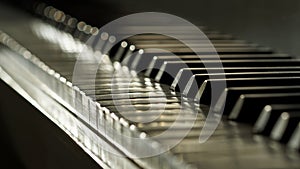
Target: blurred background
{"x": 270, "y": 23}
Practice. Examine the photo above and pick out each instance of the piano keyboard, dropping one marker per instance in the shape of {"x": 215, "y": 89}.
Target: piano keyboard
{"x": 260, "y": 127}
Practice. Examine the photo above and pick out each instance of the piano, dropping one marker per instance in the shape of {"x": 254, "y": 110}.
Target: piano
{"x": 88, "y": 84}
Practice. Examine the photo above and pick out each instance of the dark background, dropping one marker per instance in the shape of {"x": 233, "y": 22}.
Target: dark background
{"x": 271, "y": 23}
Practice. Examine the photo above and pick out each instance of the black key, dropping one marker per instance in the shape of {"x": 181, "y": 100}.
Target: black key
{"x": 142, "y": 62}
{"x": 170, "y": 68}
{"x": 270, "y": 115}
{"x": 285, "y": 126}
{"x": 249, "y": 106}
{"x": 230, "y": 95}
{"x": 157, "y": 61}
{"x": 185, "y": 74}
{"x": 148, "y": 57}
{"x": 168, "y": 45}
{"x": 181, "y": 36}
{"x": 198, "y": 79}
{"x": 171, "y": 29}
{"x": 175, "y": 41}
{"x": 197, "y": 50}
{"x": 205, "y": 91}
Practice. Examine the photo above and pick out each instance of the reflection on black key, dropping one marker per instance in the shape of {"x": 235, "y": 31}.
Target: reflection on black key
{"x": 204, "y": 45}
{"x": 199, "y": 44}
{"x": 270, "y": 115}
{"x": 231, "y": 95}
{"x": 169, "y": 69}
{"x": 175, "y": 41}
{"x": 185, "y": 74}
{"x": 205, "y": 91}
{"x": 285, "y": 126}
{"x": 182, "y": 36}
{"x": 249, "y": 106}
{"x": 157, "y": 61}
{"x": 210, "y": 50}
{"x": 197, "y": 79}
